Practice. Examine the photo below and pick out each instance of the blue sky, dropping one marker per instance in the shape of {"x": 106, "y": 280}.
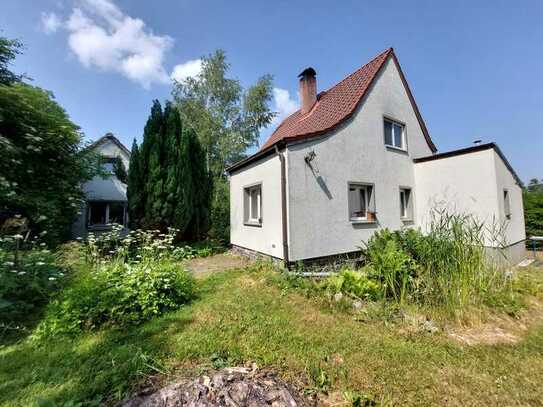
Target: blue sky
{"x": 475, "y": 67}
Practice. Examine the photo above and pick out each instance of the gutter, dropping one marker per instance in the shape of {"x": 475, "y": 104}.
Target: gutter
{"x": 283, "y": 205}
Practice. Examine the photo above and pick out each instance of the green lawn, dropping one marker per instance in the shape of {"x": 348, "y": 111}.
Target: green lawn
{"x": 243, "y": 317}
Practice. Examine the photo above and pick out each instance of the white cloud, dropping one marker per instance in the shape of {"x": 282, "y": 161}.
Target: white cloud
{"x": 188, "y": 69}
{"x": 50, "y": 22}
{"x": 103, "y": 37}
{"x": 284, "y": 105}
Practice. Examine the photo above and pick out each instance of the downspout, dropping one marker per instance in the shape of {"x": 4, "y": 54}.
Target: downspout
{"x": 283, "y": 206}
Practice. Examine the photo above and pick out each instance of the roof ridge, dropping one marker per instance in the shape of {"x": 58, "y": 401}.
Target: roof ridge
{"x": 337, "y": 104}
{"x": 387, "y": 51}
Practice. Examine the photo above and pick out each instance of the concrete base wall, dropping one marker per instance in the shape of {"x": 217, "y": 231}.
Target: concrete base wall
{"x": 254, "y": 255}
{"x": 509, "y": 256}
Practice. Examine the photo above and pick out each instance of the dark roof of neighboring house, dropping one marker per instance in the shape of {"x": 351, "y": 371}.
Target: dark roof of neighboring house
{"x": 109, "y": 137}
{"x": 469, "y": 150}
{"x": 334, "y": 106}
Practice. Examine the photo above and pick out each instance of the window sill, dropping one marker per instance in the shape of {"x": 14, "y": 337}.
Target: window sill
{"x": 362, "y": 221}
{"x": 407, "y": 220}
{"x": 253, "y": 224}
{"x": 396, "y": 149}
{"x": 99, "y": 227}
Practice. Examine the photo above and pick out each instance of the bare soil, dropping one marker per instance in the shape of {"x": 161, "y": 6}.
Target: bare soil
{"x": 218, "y": 262}
{"x": 500, "y": 329}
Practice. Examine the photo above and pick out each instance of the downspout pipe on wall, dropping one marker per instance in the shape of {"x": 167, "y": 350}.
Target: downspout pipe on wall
{"x": 283, "y": 205}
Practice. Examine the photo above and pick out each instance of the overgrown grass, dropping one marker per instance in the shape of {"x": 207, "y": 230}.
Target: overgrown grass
{"x": 248, "y": 316}
{"x": 448, "y": 267}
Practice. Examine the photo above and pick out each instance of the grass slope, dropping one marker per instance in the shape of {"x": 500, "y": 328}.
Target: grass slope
{"x": 241, "y": 317}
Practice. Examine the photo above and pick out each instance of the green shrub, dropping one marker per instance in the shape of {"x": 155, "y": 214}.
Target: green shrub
{"x": 141, "y": 245}
{"x": 117, "y": 294}
{"x": 27, "y": 280}
{"x": 391, "y": 264}
{"x": 447, "y": 266}
{"x": 220, "y": 211}
{"x": 354, "y": 283}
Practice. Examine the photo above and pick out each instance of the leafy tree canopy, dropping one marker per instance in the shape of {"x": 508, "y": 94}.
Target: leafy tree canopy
{"x": 42, "y": 161}
{"x": 533, "y": 208}
{"x": 226, "y": 117}
{"x": 9, "y": 49}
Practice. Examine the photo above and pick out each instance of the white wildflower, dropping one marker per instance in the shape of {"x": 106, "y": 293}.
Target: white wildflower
{"x": 9, "y": 264}
{"x": 52, "y": 278}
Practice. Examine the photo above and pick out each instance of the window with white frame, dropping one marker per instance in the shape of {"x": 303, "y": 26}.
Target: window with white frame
{"x": 406, "y": 206}
{"x": 394, "y": 134}
{"x": 506, "y": 204}
{"x": 361, "y": 202}
{"x": 253, "y": 205}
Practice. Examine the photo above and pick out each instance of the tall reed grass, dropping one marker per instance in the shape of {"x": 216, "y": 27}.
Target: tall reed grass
{"x": 447, "y": 266}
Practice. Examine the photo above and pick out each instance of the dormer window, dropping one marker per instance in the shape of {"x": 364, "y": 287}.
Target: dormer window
{"x": 394, "y": 134}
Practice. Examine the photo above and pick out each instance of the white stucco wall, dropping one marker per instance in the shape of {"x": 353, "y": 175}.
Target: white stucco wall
{"x": 101, "y": 189}
{"x": 267, "y": 238}
{"x": 319, "y": 222}
{"x": 473, "y": 184}
{"x": 110, "y": 149}
{"x": 515, "y": 230}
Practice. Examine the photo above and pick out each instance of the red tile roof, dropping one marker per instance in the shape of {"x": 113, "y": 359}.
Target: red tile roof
{"x": 337, "y": 104}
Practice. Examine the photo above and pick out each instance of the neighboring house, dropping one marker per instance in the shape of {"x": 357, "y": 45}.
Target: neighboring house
{"x": 105, "y": 197}
{"x": 357, "y": 158}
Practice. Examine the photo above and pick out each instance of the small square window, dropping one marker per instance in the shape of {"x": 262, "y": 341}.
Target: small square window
{"x": 394, "y": 134}
{"x": 406, "y": 206}
{"x": 506, "y": 204}
{"x": 253, "y": 205}
{"x": 361, "y": 207}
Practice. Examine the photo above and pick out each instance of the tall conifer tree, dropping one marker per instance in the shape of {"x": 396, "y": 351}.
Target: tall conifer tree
{"x": 134, "y": 192}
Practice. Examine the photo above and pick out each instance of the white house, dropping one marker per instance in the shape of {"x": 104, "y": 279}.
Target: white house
{"x": 105, "y": 197}
{"x": 356, "y": 158}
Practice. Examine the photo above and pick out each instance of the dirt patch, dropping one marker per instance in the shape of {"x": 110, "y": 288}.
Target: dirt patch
{"x": 231, "y": 387}
{"x": 501, "y": 329}
{"x": 218, "y": 262}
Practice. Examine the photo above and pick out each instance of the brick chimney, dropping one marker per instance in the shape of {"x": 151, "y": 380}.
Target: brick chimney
{"x": 308, "y": 89}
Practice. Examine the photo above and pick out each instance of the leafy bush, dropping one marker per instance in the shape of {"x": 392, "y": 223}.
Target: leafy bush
{"x": 354, "y": 283}
{"x": 392, "y": 265}
{"x": 447, "y": 266}
{"x": 220, "y": 211}
{"x": 140, "y": 245}
{"x": 27, "y": 280}
{"x": 117, "y": 293}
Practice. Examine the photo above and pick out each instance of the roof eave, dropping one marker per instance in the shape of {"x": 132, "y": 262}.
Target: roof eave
{"x": 469, "y": 150}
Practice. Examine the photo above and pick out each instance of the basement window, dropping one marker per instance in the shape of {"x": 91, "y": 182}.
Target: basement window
{"x": 361, "y": 203}
{"x": 394, "y": 134}
{"x": 506, "y": 204}
{"x": 252, "y": 205}
{"x": 406, "y": 206}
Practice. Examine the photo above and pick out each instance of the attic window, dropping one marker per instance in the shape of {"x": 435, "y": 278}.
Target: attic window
{"x": 252, "y": 205}
{"x": 394, "y": 134}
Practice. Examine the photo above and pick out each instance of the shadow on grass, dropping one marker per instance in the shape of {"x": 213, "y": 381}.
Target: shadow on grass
{"x": 94, "y": 367}
{"x": 91, "y": 367}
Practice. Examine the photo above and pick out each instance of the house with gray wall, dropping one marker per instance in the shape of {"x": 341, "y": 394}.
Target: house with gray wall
{"x": 357, "y": 158}
{"x": 105, "y": 195}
